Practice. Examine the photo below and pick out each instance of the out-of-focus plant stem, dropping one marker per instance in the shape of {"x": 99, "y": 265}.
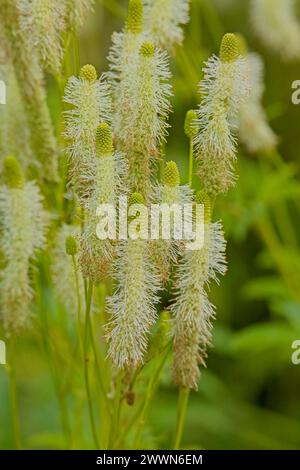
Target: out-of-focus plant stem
{"x": 86, "y": 363}
{"x": 183, "y": 399}
{"x": 13, "y": 393}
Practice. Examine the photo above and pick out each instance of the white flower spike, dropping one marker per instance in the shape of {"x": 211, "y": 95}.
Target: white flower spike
{"x": 224, "y": 88}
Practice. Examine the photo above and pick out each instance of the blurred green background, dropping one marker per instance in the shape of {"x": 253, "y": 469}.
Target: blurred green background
{"x": 248, "y": 397}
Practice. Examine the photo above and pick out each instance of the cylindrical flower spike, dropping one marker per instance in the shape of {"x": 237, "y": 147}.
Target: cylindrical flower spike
{"x": 193, "y": 313}
{"x": 171, "y": 195}
{"x": 110, "y": 175}
{"x": 24, "y": 223}
{"x": 142, "y": 125}
{"x": 90, "y": 98}
{"x": 30, "y": 79}
{"x": 43, "y": 23}
{"x": 164, "y": 19}
{"x": 132, "y": 306}
{"x": 276, "y": 24}
{"x": 224, "y": 88}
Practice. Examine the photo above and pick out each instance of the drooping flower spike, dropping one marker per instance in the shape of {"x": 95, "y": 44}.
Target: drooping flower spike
{"x": 165, "y": 20}
{"x": 109, "y": 183}
{"x": 91, "y": 104}
{"x": 193, "y": 313}
{"x": 133, "y": 305}
{"x": 23, "y": 224}
{"x": 224, "y": 88}
{"x": 276, "y": 24}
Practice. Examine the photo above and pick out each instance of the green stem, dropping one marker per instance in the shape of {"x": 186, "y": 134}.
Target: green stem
{"x": 191, "y": 163}
{"x": 117, "y": 412}
{"x": 149, "y": 395}
{"x": 86, "y": 363}
{"x": 13, "y": 396}
{"x": 181, "y": 415}
{"x": 78, "y": 302}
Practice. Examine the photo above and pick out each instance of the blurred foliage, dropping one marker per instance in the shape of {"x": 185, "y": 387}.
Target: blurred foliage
{"x": 249, "y": 395}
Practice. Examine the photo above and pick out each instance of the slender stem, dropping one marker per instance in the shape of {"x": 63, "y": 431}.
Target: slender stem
{"x": 117, "y": 412}
{"x": 191, "y": 163}
{"x": 78, "y": 302}
{"x": 86, "y": 363}
{"x": 181, "y": 415}
{"x": 13, "y": 396}
{"x": 98, "y": 368}
{"x": 62, "y": 403}
{"x": 149, "y": 395}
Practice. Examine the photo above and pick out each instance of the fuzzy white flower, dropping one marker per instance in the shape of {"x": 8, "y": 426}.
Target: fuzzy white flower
{"x": 23, "y": 224}
{"x": 142, "y": 125}
{"x": 169, "y": 193}
{"x": 193, "y": 313}
{"x": 110, "y": 173}
{"x": 63, "y": 271}
{"x": 223, "y": 89}
{"x": 43, "y": 22}
{"x": 276, "y": 24}
{"x": 254, "y": 129}
{"x": 164, "y": 19}
{"x": 132, "y": 306}
{"x": 91, "y": 104}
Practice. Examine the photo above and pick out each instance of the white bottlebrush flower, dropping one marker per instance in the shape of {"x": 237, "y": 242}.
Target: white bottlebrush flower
{"x": 91, "y": 104}
{"x": 76, "y": 12}
{"x": 63, "y": 274}
{"x": 23, "y": 223}
{"x": 43, "y": 23}
{"x": 132, "y": 306}
{"x": 193, "y": 313}
{"x": 123, "y": 54}
{"x": 14, "y": 132}
{"x": 223, "y": 89}
{"x": 254, "y": 129}
{"x": 164, "y": 19}
{"x": 142, "y": 125}
{"x": 110, "y": 172}
{"x": 169, "y": 193}
{"x": 276, "y": 24}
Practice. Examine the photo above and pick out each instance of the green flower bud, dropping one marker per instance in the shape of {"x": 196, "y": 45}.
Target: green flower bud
{"x": 190, "y": 125}
{"x": 135, "y": 18}
{"x": 171, "y": 176}
{"x": 88, "y": 72}
{"x": 71, "y": 246}
{"x": 13, "y": 174}
{"x": 136, "y": 198}
{"x": 229, "y": 51}
{"x": 104, "y": 142}
{"x": 147, "y": 49}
